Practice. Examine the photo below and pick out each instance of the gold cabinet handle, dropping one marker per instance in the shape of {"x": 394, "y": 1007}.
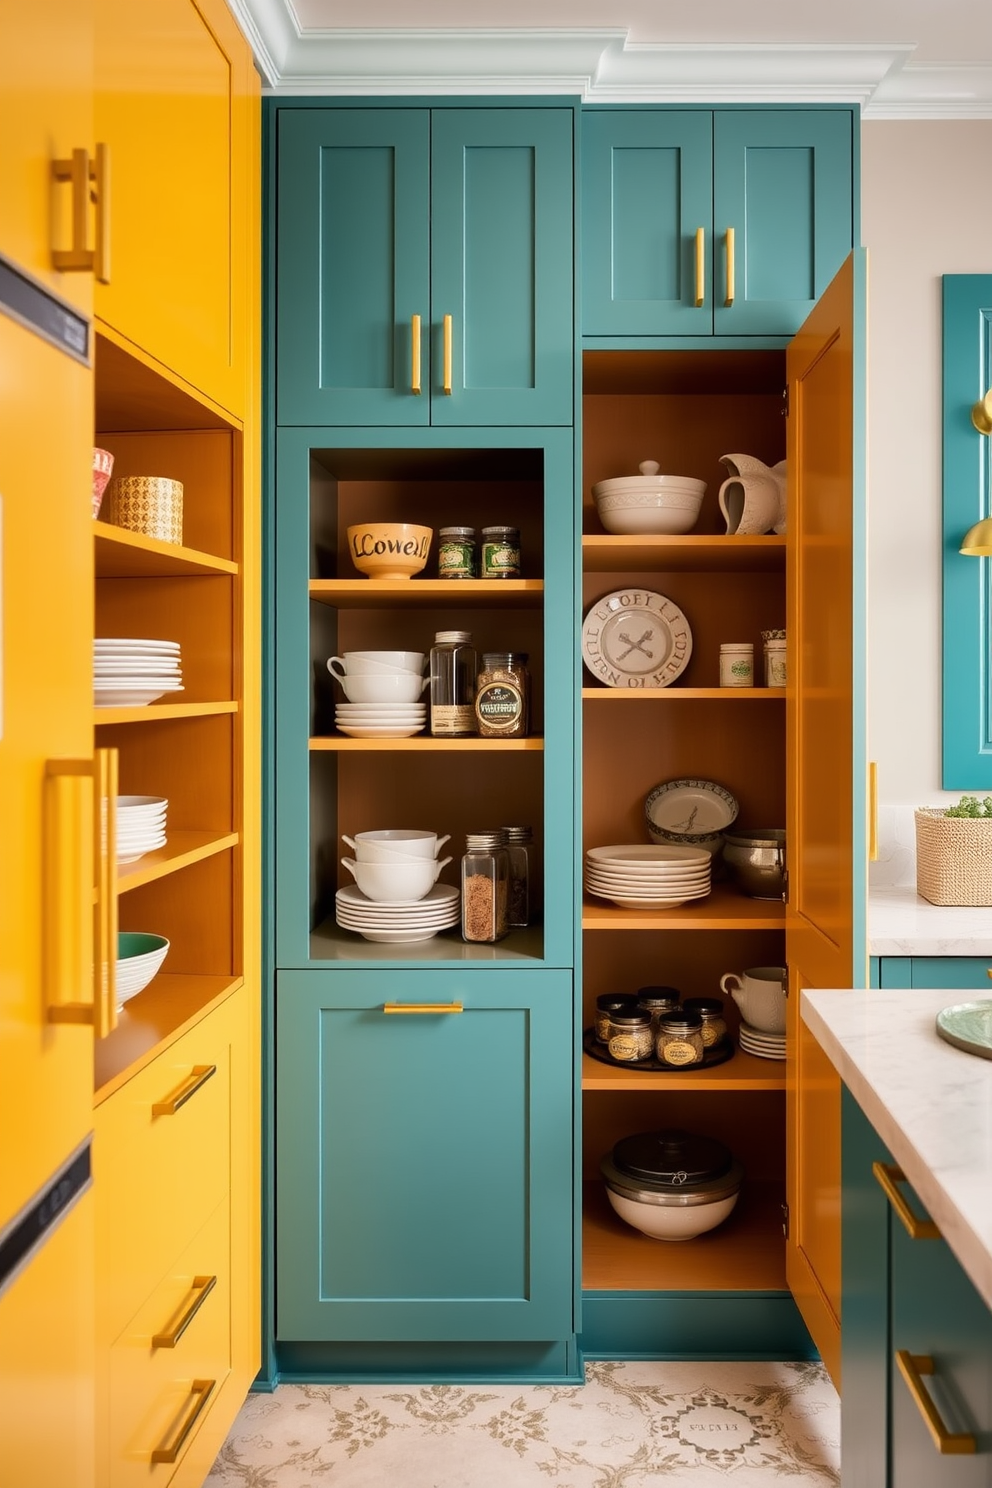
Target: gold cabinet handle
{"x": 446, "y": 386}
{"x": 106, "y": 920}
{"x": 80, "y": 172}
{"x": 700, "y": 266}
{"x": 198, "y": 1077}
{"x": 415, "y": 354}
{"x": 913, "y": 1367}
{"x": 887, "y": 1176}
{"x": 873, "y": 812}
{"x": 200, "y": 1391}
{"x": 981, "y": 414}
{"x": 422, "y": 1007}
{"x": 67, "y": 891}
{"x": 201, "y": 1289}
{"x": 730, "y": 267}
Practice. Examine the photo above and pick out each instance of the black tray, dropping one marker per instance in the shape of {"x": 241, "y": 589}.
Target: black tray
{"x": 717, "y": 1053}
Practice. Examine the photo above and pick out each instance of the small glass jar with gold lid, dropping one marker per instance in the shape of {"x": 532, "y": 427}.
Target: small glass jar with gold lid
{"x": 679, "y": 1040}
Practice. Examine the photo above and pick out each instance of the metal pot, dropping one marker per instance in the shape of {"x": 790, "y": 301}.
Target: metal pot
{"x": 756, "y": 861}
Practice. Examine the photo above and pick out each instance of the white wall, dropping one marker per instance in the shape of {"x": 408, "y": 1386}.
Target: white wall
{"x": 926, "y": 211}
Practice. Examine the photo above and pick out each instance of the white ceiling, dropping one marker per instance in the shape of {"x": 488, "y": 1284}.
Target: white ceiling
{"x": 897, "y": 58}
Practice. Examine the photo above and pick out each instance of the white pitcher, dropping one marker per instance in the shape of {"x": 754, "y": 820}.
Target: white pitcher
{"x": 760, "y": 995}
{"x": 752, "y": 499}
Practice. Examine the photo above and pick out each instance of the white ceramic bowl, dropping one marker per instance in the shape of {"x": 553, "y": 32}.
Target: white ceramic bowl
{"x": 671, "y": 1222}
{"x": 403, "y": 661}
{"x": 139, "y": 957}
{"x": 389, "y": 882}
{"x": 379, "y": 852}
{"x": 385, "y": 687}
{"x": 366, "y": 666}
{"x": 404, "y": 839}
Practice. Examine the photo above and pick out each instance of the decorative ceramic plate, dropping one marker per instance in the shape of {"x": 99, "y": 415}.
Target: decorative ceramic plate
{"x": 968, "y": 1026}
{"x": 636, "y": 638}
{"x": 684, "y": 810}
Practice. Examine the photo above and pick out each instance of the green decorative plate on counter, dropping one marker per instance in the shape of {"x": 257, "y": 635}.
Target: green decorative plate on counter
{"x": 968, "y": 1026}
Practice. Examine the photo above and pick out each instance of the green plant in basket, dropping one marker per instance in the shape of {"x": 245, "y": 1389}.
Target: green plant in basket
{"x": 971, "y": 807}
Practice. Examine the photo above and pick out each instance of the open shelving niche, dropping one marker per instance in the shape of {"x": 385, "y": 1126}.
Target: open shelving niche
{"x": 684, "y": 409}
{"x": 189, "y": 752}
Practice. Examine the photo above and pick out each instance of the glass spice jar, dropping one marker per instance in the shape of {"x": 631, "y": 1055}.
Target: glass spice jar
{"x": 453, "y": 670}
{"x": 456, "y": 553}
{"x": 502, "y": 695}
{"x": 658, "y": 1000}
{"x": 679, "y": 1040}
{"x": 517, "y": 841}
{"x": 606, "y": 1005}
{"x": 500, "y": 553}
{"x": 485, "y": 887}
{"x": 630, "y": 1037}
{"x": 710, "y": 1011}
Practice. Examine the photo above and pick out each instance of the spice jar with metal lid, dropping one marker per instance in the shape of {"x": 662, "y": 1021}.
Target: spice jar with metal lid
{"x": 630, "y": 1037}
{"x": 453, "y": 671}
{"x": 500, "y": 553}
{"x": 485, "y": 887}
{"x": 658, "y": 1000}
{"x": 679, "y": 1040}
{"x": 518, "y": 841}
{"x": 710, "y": 1011}
{"x": 606, "y": 1005}
{"x": 502, "y": 695}
{"x": 456, "y": 553}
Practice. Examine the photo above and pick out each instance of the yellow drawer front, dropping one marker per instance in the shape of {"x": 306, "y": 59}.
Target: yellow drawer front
{"x": 168, "y": 1366}
{"x": 162, "y": 1163}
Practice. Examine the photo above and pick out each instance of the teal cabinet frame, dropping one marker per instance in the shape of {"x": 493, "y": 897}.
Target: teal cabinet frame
{"x": 956, "y": 973}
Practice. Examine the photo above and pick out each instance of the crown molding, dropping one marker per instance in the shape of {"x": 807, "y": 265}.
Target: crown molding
{"x": 601, "y": 65}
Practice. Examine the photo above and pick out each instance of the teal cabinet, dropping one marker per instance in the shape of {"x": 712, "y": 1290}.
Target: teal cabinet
{"x": 424, "y": 1159}
{"x": 424, "y": 266}
{"x": 768, "y": 195}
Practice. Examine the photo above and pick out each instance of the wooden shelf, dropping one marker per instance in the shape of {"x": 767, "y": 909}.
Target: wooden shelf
{"x": 687, "y": 694}
{"x": 720, "y": 910}
{"x": 153, "y": 1020}
{"x": 155, "y": 712}
{"x": 180, "y": 851}
{"x": 328, "y": 942}
{"x": 120, "y": 554}
{"x": 743, "y": 1072}
{"x": 746, "y": 1253}
{"x": 366, "y": 594}
{"x": 424, "y": 744}
{"x": 704, "y": 554}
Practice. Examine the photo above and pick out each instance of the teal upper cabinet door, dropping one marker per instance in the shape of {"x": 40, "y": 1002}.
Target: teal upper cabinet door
{"x": 646, "y": 195}
{"x": 783, "y": 215}
{"x": 353, "y": 264}
{"x": 424, "y": 266}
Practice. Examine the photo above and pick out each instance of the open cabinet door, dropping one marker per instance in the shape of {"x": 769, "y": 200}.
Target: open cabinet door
{"x": 825, "y": 916}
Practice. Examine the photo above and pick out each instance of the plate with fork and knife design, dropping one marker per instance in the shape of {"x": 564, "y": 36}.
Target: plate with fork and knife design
{"x": 636, "y": 638}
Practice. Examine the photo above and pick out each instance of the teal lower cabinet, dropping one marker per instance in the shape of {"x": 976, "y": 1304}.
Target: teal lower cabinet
{"x": 424, "y": 1173}
{"x": 957, "y": 973}
{"x": 917, "y": 1340}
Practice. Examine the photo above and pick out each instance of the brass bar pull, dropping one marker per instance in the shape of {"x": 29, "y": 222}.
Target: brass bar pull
{"x": 887, "y": 1177}
{"x": 873, "y": 812}
{"x": 422, "y": 1007}
{"x": 447, "y": 357}
{"x": 80, "y": 172}
{"x": 198, "y": 1076}
{"x": 100, "y": 175}
{"x": 700, "y": 266}
{"x": 200, "y": 1392}
{"x": 105, "y": 918}
{"x": 730, "y": 267}
{"x": 913, "y": 1367}
{"x": 415, "y": 354}
{"x": 67, "y": 891}
{"x": 202, "y": 1287}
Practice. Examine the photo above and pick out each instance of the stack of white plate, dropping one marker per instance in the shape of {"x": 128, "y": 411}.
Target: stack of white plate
{"x": 128, "y": 673}
{"x": 380, "y": 720}
{"x": 638, "y": 876}
{"x": 140, "y": 826}
{"x": 398, "y": 923}
{"x": 765, "y": 1045}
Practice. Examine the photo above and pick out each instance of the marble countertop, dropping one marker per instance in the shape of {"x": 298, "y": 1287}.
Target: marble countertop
{"x": 900, "y": 923}
{"x": 929, "y": 1102}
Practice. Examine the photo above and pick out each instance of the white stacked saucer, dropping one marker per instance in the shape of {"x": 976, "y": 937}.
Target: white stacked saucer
{"x": 380, "y": 720}
{"x": 129, "y": 673}
{"x": 401, "y": 923}
{"x": 764, "y": 1045}
{"x": 140, "y": 826}
{"x": 635, "y": 875}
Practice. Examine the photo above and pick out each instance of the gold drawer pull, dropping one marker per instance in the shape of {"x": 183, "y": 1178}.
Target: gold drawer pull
{"x": 888, "y": 1176}
{"x": 730, "y": 267}
{"x": 415, "y": 354}
{"x": 198, "y": 1075}
{"x": 422, "y": 1007}
{"x": 700, "y": 266}
{"x": 446, "y": 388}
{"x": 202, "y": 1287}
{"x": 200, "y": 1391}
{"x": 949, "y": 1443}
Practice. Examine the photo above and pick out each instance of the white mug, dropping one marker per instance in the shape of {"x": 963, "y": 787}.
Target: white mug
{"x": 760, "y": 995}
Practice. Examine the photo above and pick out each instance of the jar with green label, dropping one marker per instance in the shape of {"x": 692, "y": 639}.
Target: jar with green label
{"x": 500, "y": 553}
{"x": 502, "y": 695}
{"x": 456, "y": 556}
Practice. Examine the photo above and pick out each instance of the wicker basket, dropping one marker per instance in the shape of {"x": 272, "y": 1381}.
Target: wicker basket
{"x": 953, "y": 858}
{"x": 151, "y": 504}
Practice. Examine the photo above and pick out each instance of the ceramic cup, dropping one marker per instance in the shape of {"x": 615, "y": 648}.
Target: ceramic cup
{"x": 378, "y": 852}
{"x": 413, "y": 843}
{"x": 380, "y": 687}
{"x": 356, "y": 665}
{"x": 760, "y": 995}
{"x": 394, "y": 882}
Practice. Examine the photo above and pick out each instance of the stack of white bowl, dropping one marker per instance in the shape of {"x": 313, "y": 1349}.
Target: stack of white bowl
{"x": 383, "y": 689}
{"x": 140, "y": 826}
{"x": 649, "y": 502}
{"x": 638, "y": 876}
{"x": 128, "y": 673}
{"x": 396, "y": 897}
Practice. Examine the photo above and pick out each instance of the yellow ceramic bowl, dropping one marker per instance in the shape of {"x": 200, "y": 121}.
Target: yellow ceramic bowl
{"x": 389, "y": 550}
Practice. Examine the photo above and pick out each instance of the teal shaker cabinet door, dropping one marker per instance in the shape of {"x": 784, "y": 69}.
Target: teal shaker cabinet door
{"x": 783, "y": 215}
{"x": 352, "y": 264}
{"x": 424, "y": 1158}
{"x": 646, "y": 194}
